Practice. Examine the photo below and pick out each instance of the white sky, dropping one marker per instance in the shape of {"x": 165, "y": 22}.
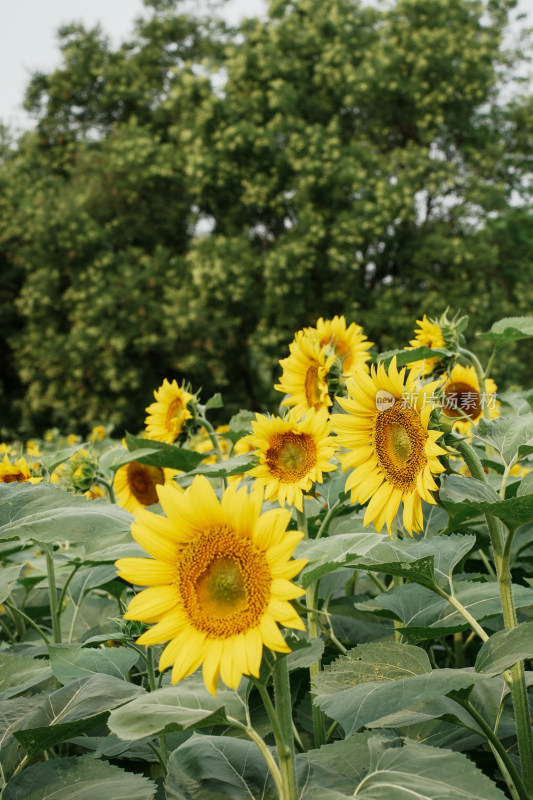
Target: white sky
{"x": 28, "y": 37}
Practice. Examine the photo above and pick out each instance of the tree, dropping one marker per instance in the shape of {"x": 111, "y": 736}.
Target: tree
{"x": 189, "y": 200}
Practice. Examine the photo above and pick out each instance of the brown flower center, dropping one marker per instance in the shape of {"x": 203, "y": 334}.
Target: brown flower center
{"x": 291, "y": 456}
{"x": 142, "y": 481}
{"x": 399, "y": 444}
{"x": 175, "y": 416}
{"x": 19, "y": 477}
{"x": 314, "y": 385}
{"x": 461, "y": 399}
{"x": 224, "y": 581}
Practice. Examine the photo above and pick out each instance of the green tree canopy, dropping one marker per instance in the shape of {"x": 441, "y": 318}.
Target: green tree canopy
{"x": 190, "y": 199}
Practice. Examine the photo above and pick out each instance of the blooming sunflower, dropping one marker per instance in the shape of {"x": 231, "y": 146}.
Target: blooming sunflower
{"x": 136, "y": 484}
{"x": 349, "y": 343}
{"x": 394, "y": 453}
{"x": 19, "y": 472}
{"x": 293, "y": 453}
{"x": 429, "y": 334}
{"x": 219, "y": 581}
{"x": 305, "y": 373}
{"x": 463, "y": 399}
{"x": 168, "y": 414}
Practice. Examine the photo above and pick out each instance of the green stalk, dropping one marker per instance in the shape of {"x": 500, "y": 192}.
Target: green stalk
{"x": 153, "y": 686}
{"x": 515, "y": 676}
{"x": 311, "y": 600}
{"x": 285, "y": 742}
{"x": 211, "y": 432}
{"x": 331, "y": 514}
{"x": 52, "y": 594}
{"x": 29, "y": 620}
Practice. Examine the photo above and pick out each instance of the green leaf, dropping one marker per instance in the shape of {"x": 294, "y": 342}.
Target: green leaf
{"x": 73, "y": 709}
{"x": 429, "y": 562}
{"x": 166, "y": 455}
{"x": 187, "y": 705}
{"x": 72, "y": 662}
{"x": 505, "y": 648}
{"x": 79, "y": 777}
{"x": 241, "y": 422}
{"x": 214, "y": 767}
{"x": 348, "y": 757}
{"x": 214, "y": 402}
{"x": 235, "y": 465}
{"x": 306, "y": 655}
{"x": 426, "y": 614}
{"x": 425, "y": 773}
{"x": 510, "y": 436}
{"x": 90, "y": 578}
{"x": 387, "y": 678}
{"x": 47, "y": 514}
{"x": 404, "y": 357}
{"x": 53, "y": 461}
{"x": 118, "y": 457}
{"x": 509, "y": 329}
{"x": 8, "y": 577}
{"x": 465, "y": 497}
{"x": 18, "y": 673}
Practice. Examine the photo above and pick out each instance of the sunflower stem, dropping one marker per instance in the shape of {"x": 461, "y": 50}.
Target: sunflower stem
{"x": 211, "y": 432}
{"x": 285, "y": 742}
{"x": 515, "y": 676}
{"x": 149, "y": 659}
{"x": 311, "y": 601}
{"x": 52, "y": 594}
{"x": 108, "y": 486}
{"x": 331, "y": 514}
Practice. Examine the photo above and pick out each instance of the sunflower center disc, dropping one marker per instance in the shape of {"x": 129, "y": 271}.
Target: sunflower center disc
{"x": 142, "y": 481}
{"x": 174, "y": 417}
{"x": 462, "y": 399}
{"x": 224, "y": 581}
{"x": 291, "y": 456}
{"x": 399, "y": 444}
{"x": 312, "y": 385}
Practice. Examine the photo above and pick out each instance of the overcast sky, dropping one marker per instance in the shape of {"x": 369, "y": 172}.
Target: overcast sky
{"x": 28, "y": 37}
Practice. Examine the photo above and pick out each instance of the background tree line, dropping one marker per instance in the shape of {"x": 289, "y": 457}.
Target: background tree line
{"x": 191, "y": 198}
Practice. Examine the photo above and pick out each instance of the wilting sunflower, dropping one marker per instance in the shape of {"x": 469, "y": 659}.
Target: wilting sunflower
{"x": 136, "y": 484}
{"x": 395, "y": 455}
{"x": 428, "y": 334}
{"x": 19, "y": 472}
{"x": 219, "y": 581}
{"x": 305, "y": 373}
{"x": 349, "y": 343}
{"x": 463, "y": 400}
{"x": 293, "y": 453}
{"x": 168, "y": 414}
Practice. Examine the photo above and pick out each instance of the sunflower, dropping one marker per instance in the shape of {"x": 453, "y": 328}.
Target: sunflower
{"x": 19, "y": 472}
{"x": 168, "y": 414}
{"x": 349, "y": 344}
{"x": 219, "y": 581}
{"x": 293, "y": 454}
{"x": 305, "y": 373}
{"x": 394, "y": 453}
{"x": 429, "y": 334}
{"x": 136, "y": 484}
{"x": 462, "y": 398}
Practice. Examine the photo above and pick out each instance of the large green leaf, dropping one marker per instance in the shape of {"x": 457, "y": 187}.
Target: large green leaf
{"x": 348, "y": 758}
{"x": 505, "y": 648}
{"x": 429, "y": 562}
{"x": 465, "y": 497}
{"x": 47, "y": 514}
{"x": 425, "y": 773}
{"x": 72, "y": 662}
{"x": 119, "y": 457}
{"x": 20, "y": 672}
{"x": 509, "y": 329}
{"x": 510, "y": 436}
{"x": 236, "y": 465}
{"x": 73, "y": 709}
{"x": 379, "y": 679}
{"x": 166, "y": 455}
{"x": 8, "y": 577}
{"x": 79, "y": 777}
{"x": 187, "y": 705}
{"x": 90, "y": 578}
{"x": 426, "y": 614}
{"x": 213, "y": 767}
{"x": 404, "y": 357}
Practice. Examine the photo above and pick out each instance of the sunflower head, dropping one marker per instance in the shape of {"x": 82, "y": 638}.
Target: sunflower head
{"x": 135, "y": 485}
{"x": 19, "y": 472}
{"x": 428, "y": 334}
{"x": 463, "y": 401}
{"x": 293, "y": 453}
{"x": 389, "y": 445}
{"x": 167, "y": 416}
{"x": 349, "y": 343}
{"x": 305, "y": 373}
{"x": 218, "y": 580}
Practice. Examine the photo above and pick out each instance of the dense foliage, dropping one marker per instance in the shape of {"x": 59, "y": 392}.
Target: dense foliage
{"x": 190, "y": 198}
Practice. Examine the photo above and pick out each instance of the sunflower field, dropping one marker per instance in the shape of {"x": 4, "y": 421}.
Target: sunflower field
{"x": 333, "y": 601}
